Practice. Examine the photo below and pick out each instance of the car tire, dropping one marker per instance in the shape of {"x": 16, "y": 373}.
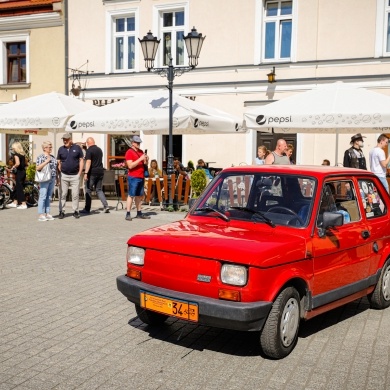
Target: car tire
{"x": 380, "y": 297}
{"x": 280, "y": 332}
{"x": 150, "y": 317}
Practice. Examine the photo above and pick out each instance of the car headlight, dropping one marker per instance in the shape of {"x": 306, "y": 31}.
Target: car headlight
{"x": 135, "y": 255}
{"x": 236, "y": 275}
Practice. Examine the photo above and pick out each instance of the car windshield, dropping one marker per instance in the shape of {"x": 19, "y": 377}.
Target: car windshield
{"x": 260, "y": 197}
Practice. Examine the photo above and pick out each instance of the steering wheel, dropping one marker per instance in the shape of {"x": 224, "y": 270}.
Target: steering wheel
{"x": 292, "y": 212}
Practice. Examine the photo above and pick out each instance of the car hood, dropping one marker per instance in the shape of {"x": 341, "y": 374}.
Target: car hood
{"x": 262, "y": 245}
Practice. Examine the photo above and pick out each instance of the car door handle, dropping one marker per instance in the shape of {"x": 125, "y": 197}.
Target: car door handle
{"x": 365, "y": 234}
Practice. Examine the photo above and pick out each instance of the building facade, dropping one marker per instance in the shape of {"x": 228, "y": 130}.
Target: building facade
{"x": 32, "y": 59}
{"x": 307, "y": 42}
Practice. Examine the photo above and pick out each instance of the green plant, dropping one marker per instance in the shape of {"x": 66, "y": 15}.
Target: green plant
{"x": 198, "y": 182}
{"x": 30, "y": 172}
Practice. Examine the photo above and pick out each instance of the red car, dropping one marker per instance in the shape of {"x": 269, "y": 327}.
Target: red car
{"x": 262, "y": 249}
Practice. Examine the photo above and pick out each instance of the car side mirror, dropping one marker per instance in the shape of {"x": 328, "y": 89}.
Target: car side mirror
{"x": 330, "y": 219}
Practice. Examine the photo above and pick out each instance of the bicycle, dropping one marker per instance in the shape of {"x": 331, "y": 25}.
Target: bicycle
{"x": 5, "y": 189}
{"x": 30, "y": 189}
{"x": 31, "y": 192}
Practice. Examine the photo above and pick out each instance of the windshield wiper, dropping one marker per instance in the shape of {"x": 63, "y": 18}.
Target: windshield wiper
{"x": 259, "y": 213}
{"x": 210, "y": 209}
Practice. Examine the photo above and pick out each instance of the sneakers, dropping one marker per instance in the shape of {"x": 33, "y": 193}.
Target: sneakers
{"x": 42, "y": 218}
{"x": 61, "y": 215}
{"x": 12, "y": 205}
{"x": 128, "y": 218}
{"x": 142, "y": 216}
{"x": 49, "y": 217}
{"x": 76, "y": 214}
{"x": 83, "y": 211}
{"x": 106, "y": 210}
{"x": 21, "y": 207}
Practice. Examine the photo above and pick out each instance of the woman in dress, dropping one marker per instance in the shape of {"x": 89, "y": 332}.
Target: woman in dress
{"x": 46, "y": 188}
{"x": 19, "y": 170}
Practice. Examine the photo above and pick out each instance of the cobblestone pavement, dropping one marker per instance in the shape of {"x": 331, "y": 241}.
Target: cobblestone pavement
{"x": 64, "y": 325}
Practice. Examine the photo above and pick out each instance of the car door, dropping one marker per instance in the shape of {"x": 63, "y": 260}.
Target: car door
{"x": 375, "y": 210}
{"x": 341, "y": 254}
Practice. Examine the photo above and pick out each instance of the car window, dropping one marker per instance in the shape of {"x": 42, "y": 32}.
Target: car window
{"x": 285, "y": 199}
{"x": 339, "y": 196}
{"x": 372, "y": 200}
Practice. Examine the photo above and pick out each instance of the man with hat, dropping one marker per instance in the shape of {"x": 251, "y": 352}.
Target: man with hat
{"x": 135, "y": 160}
{"x": 70, "y": 165}
{"x": 354, "y": 157}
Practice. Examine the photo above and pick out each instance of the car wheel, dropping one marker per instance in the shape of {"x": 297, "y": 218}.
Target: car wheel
{"x": 280, "y": 333}
{"x": 380, "y": 297}
{"x": 150, "y": 317}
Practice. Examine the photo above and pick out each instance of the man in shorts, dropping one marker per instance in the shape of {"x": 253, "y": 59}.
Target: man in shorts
{"x": 135, "y": 160}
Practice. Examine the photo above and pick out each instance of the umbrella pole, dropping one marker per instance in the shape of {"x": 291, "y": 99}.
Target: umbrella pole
{"x": 337, "y": 149}
{"x": 170, "y": 169}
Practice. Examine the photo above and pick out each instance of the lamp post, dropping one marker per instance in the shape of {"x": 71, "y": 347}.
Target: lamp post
{"x": 149, "y": 45}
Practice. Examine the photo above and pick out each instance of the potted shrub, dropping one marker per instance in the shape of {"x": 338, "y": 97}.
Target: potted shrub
{"x": 30, "y": 172}
{"x": 198, "y": 184}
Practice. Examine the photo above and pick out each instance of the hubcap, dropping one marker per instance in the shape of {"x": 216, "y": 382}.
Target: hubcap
{"x": 386, "y": 284}
{"x": 289, "y": 322}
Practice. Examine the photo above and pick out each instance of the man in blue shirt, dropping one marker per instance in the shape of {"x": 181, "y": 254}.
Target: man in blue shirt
{"x": 70, "y": 165}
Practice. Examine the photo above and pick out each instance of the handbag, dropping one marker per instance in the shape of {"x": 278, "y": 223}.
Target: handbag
{"x": 43, "y": 175}
{"x": 146, "y": 171}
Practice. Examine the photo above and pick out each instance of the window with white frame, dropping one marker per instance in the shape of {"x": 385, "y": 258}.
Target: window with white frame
{"x": 14, "y": 58}
{"x": 124, "y": 42}
{"x": 277, "y": 29}
{"x": 172, "y": 36}
{"x": 387, "y": 27}
{"x": 16, "y": 62}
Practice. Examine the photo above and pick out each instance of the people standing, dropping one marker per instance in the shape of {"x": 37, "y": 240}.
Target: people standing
{"x": 289, "y": 153}
{"x": 70, "y": 165}
{"x": 135, "y": 160}
{"x": 46, "y": 188}
{"x": 354, "y": 157}
{"x": 19, "y": 170}
{"x": 278, "y": 156}
{"x": 93, "y": 176}
{"x": 378, "y": 160}
{"x": 262, "y": 153}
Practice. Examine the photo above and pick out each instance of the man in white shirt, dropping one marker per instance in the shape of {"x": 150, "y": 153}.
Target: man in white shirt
{"x": 378, "y": 160}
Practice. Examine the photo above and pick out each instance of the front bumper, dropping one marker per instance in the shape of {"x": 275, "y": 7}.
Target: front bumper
{"x": 244, "y": 316}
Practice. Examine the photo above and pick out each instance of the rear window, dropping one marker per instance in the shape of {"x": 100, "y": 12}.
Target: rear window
{"x": 372, "y": 201}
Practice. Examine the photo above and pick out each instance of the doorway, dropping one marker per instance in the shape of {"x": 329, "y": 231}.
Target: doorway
{"x": 177, "y": 148}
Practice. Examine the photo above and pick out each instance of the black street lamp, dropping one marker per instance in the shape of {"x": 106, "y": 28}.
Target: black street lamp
{"x": 149, "y": 45}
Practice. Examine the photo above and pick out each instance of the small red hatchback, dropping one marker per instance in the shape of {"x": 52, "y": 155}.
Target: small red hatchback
{"x": 262, "y": 249}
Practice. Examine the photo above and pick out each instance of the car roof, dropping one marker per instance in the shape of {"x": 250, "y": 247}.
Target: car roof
{"x": 309, "y": 170}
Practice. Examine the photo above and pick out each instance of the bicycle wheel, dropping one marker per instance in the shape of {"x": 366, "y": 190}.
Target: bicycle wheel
{"x": 31, "y": 193}
{"x": 6, "y": 190}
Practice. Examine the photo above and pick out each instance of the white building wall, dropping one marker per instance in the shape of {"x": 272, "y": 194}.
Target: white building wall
{"x": 332, "y": 41}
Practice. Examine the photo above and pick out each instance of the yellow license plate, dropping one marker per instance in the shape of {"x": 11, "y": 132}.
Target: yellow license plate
{"x": 172, "y": 307}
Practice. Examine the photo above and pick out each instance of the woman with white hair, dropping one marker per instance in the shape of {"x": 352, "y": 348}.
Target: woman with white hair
{"x": 46, "y": 188}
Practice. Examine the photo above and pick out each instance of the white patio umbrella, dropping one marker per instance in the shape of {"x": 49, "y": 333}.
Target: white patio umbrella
{"x": 335, "y": 108}
{"x": 41, "y": 113}
{"x": 149, "y": 113}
